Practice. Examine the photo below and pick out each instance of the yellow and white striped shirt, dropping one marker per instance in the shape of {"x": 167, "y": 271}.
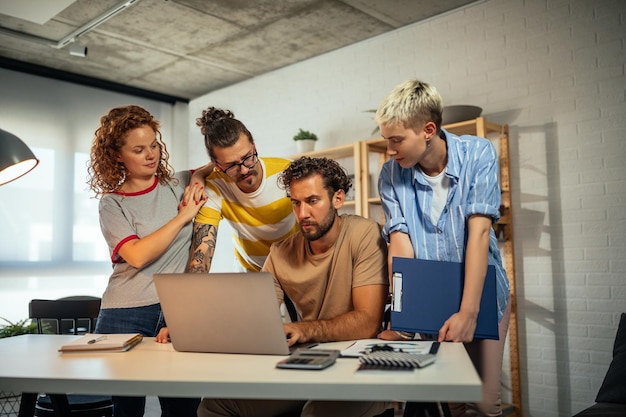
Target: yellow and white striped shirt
{"x": 258, "y": 219}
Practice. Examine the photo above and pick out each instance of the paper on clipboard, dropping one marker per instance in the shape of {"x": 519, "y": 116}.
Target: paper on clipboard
{"x": 396, "y": 295}
{"x": 364, "y": 346}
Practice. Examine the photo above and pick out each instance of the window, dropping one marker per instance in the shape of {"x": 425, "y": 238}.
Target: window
{"x": 49, "y": 215}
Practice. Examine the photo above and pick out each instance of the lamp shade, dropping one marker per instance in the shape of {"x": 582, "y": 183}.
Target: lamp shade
{"x": 16, "y": 159}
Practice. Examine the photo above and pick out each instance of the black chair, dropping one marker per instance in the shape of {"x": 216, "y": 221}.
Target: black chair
{"x": 70, "y": 315}
{"x": 412, "y": 409}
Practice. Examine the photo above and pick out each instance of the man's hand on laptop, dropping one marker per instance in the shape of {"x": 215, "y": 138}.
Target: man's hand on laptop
{"x": 163, "y": 336}
{"x": 294, "y": 333}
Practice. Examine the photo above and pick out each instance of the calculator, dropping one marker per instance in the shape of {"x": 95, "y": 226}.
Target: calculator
{"x": 309, "y": 359}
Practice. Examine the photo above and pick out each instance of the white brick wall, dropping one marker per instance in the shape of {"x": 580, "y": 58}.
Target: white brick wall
{"x": 554, "y": 70}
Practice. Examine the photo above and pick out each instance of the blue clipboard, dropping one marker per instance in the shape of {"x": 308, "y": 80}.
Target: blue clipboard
{"x": 426, "y": 293}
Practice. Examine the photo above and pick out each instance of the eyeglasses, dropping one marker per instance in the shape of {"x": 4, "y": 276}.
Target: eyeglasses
{"x": 248, "y": 162}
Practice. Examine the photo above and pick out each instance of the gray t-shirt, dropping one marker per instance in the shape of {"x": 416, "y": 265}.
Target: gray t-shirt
{"x": 124, "y": 217}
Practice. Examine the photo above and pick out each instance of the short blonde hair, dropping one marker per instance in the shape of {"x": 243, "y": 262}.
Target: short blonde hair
{"x": 411, "y": 104}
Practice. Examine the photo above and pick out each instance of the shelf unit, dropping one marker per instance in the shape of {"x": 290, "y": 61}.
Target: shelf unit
{"x": 369, "y": 156}
{"x": 345, "y": 152}
{"x": 504, "y": 230}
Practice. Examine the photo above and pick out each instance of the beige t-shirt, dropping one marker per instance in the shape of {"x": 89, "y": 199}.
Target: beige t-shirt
{"x": 320, "y": 286}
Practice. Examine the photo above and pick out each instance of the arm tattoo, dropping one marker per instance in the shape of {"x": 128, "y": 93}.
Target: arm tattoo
{"x": 202, "y": 248}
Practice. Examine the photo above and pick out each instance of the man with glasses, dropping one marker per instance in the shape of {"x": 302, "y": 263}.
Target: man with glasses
{"x": 242, "y": 189}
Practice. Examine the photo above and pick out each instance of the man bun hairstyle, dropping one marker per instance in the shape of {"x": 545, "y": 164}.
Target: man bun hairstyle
{"x": 220, "y": 128}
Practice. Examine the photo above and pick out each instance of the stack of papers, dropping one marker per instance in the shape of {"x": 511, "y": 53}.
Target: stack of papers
{"x": 391, "y": 360}
{"x": 93, "y": 342}
{"x": 364, "y": 346}
{"x": 385, "y": 355}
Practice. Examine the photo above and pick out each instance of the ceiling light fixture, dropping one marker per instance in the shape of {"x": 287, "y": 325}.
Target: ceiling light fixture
{"x": 89, "y": 26}
{"x": 71, "y": 38}
{"x": 78, "y": 50}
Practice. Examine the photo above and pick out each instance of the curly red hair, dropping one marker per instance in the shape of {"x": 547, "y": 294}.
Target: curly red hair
{"x": 106, "y": 174}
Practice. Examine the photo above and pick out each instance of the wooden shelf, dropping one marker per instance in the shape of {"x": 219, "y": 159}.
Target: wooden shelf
{"x": 336, "y": 152}
{"x": 504, "y": 228}
{"x": 350, "y": 151}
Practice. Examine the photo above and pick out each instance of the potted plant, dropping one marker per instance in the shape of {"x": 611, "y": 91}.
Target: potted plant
{"x": 15, "y": 329}
{"x": 376, "y": 129}
{"x": 305, "y": 141}
{"x": 10, "y": 401}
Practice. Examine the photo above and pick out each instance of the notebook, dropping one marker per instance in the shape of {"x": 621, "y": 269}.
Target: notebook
{"x": 387, "y": 357}
{"x": 426, "y": 293}
{"x": 91, "y": 342}
{"x": 222, "y": 313}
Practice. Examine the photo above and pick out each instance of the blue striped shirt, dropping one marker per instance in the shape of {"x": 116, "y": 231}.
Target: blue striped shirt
{"x": 407, "y": 198}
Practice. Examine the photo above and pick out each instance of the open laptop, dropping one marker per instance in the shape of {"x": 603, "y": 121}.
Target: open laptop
{"x": 222, "y": 313}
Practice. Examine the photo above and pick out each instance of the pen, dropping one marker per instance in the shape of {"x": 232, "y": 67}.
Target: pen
{"x": 92, "y": 341}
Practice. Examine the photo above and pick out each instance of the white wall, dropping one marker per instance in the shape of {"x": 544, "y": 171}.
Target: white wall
{"x": 552, "y": 70}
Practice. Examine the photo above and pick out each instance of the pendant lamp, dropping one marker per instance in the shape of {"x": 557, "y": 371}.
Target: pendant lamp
{"x": 16, "y": 158}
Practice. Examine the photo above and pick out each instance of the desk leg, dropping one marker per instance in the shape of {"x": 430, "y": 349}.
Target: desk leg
{"x": 27, "y": 404}
{"x": 60, "y": 405}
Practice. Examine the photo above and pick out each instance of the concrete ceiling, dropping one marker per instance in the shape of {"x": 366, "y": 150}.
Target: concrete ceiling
{"x": 184, "y": 49}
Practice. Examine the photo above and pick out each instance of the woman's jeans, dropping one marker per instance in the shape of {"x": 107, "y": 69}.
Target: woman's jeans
{"x": 147, "y": 321}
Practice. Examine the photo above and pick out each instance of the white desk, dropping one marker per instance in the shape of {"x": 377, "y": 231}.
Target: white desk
{"x": 31, "y": 363}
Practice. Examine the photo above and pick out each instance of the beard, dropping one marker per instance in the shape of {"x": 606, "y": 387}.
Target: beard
{"x": 248, "y": 182}
{"x": 320, "y": 229}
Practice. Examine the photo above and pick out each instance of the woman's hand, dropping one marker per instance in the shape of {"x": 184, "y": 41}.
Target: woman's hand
{"x": 193, "y": 199}
{"x": 459, "y": 327}
{"x": 163, "y": 336}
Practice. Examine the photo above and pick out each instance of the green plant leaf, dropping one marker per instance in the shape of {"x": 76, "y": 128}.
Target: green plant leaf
{"x": 305, "y": 134}
{"x": 376, "y": 129}
{"x": 20, "y": 327}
